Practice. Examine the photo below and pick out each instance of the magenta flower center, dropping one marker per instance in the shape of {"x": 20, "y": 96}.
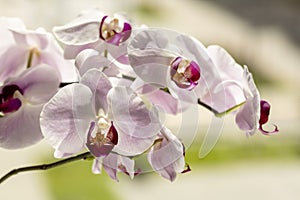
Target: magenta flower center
{"x": 9, "y": 103}
{"x": 112, "y": 32}
{"x": 104, "y": 140}
{"x": 264, "y": 112}
{"x": 185, "y": 73}
{"x": 264, "y": 117}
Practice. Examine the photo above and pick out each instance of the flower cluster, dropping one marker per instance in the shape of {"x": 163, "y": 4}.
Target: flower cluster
{"x": 105, "y": 88}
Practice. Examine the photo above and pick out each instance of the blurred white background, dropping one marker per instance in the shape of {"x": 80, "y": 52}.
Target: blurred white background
{"x": 261, "y": 34}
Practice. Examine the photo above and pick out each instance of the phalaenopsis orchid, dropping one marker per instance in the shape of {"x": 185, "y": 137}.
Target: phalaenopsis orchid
{"x": 106, "y": 89}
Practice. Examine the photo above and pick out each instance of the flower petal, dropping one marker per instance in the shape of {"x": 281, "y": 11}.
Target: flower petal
{"x": 78, "y": 34}
{"x": 10, "y": 66}
{"x": 167, "y": 156}
{"x": 99, "y": 85}
{"x": 38, "y": 84}
{"x": 114, "y": 163}
{"x": 89, "y": 59}
{"x": 65, "y": 119}
{"x": 248, "y": 115}
{"x": 228, "y": 91}
{"x": 131, "y": 114}
{"x": 67, "y": 70}
{"x": 136, "y": 124}
{"x": 21, "y": 128}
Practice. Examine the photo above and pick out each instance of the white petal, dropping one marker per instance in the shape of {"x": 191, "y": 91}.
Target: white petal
{"x": 79, "y": 34}
{"x": 21, "y": 128}
{"x": 65, "y": 118}
{"x": 248, "y": 116}
{"x": 131, "y": 115}
{"x": 39, "y": 83}
{"x": 99, "y": 85}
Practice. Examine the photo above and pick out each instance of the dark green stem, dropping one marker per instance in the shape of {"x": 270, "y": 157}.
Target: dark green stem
{"x": 207, "y": 107}
{"x": 63, "y": 84}
{"x": 83, "y": 156}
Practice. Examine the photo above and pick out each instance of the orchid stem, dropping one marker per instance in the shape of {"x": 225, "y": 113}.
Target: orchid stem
{"x": 83, "y": 156}
{"x": 105, "y": 53}
{"x": 63, "y": 84}
{"x": 207, "y": 107}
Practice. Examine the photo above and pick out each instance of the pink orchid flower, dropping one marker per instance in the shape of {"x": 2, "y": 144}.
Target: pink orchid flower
{"x": 168, "y": 59}
{"x": 103, "y": 118}
{"x": 94, "y": 30}
{"x": 21, "y": 101}
{"x": 237, "y": 91}
{"x": 254, "y": 112}
{"x": 180, "y": 63}
{"x": 24, "y": 48}
{"x": 167, "y": 155}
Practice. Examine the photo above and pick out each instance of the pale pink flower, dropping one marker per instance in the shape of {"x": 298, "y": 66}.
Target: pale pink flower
{"x": 167, "y": 155}
{"x": 24, "y": 49}
{"x": 94, "y": 30}
{"x": 94, "y": 114}
{"x": 21, "y": 101}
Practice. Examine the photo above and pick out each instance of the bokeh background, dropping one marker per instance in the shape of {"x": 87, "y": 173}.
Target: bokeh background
{"x": 263, "y": 34}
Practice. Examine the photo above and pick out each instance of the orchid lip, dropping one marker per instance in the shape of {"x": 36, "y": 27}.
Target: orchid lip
{"x": 185, "y": 73}
{"x": 8, "y": 102}
{"x": 101, "y": 145}
{"x": 112, "y": 32}
{"x": 264, "y": 117}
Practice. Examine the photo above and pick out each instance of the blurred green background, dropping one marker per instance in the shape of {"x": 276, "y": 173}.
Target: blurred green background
{"x": 264, "y": 35}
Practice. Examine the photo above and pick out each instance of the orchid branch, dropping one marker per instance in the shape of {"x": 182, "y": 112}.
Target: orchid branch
{"x": 83, "y": 156}
{"x": 63, "y": 84}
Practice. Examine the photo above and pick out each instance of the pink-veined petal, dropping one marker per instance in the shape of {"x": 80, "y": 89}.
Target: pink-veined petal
{"x": 136, "y": 124}
{"x": 21, "y": 128}
{"x": 39, "y": 84}
{"x": 67, "y": 70}
{"x": 247, "y": 117}
{"x": 151, "y": 67}
{"x": 78, "y": 34}
{"x": 114, "y": 163}
{"x": 99, "y": 85}
{"x": 132, "y": 146}
{"x": 89, "y": 59}
{"x": 6, "y": 24}
{"x": 164, "y": 101}
{"x": 10, "y": 66}
{"x": 110, "y": 165}
{"x": 65, "y": 119}
{"x": 71, "y": 51}
{"x": 131, "y": 114}
{"x": 167, "y": 156}
{"x": 228, "y": 92}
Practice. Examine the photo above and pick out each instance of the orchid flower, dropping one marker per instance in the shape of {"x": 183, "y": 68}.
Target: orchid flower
{"x": 255, "y": 112}
{"x": 26, "y": 48}
{"x": 167, "y": 155}
{"x": 91, "y": 114}
{"x": 240, "y": 92}
{"x": 225, "y": 94}
{"x": 6, "y": 51}
{"x": 91, "y": 29}
{"x": 168, "y": 59}
{"x": 21, "y": 101}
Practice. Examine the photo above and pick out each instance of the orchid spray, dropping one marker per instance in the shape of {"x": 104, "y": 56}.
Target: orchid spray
{"x": 102, "y": 94}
